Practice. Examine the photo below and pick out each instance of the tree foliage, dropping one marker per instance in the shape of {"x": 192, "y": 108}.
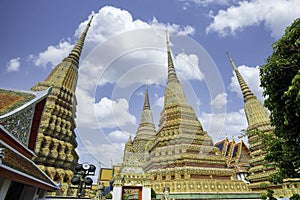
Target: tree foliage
{"x": 295, "y": 197}
{"x": 108, "y": 196}
{"x": 280, "y": 78}
{"x": 268, "y": 195}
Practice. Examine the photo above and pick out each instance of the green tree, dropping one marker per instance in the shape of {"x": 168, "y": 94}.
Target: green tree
{"x": 108, "y": 196}
{"x": 270, "y": 194}
{"x": 295, "y": 197}
{"x": 280, "y": 78}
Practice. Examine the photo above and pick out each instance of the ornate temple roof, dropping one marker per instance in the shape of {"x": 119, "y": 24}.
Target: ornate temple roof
{"x": 21, "y": 113}
{"x": 17, "y": 167}
{"x": 12, "y": 101}
{"x": 237, "y": 154}
{"x": 19, "y": 123}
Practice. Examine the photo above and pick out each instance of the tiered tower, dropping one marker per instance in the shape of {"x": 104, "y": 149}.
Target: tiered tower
{"x": 136, "y": 151}
{"x": 259, "y": 123}
{"x": 132, "y": 179}
{"x": 182, "y": 155}
{"x": 146, "y": 129}
{"x": 56, "y": 143}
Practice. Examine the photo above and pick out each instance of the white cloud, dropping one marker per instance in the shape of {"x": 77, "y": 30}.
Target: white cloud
{"x": 221, "y": 124}
{"x": 110, "y": 113}
{"x": 275, "y": 14}
{"x": 187, "y": 30}
{"x": 188, "y": 66}
{"x": 220, "y": 101}
{"x": 118, "y": 136}
{"x": 107, "y": 23}
{"x": 13, "y": 65}
{"x": 159, "y": 102}
{"x": 133, "y": 68}
{"x": 110, "y": 21}
{"x": 53, "y": 54}
{"x": 85, "y": 110}
{"x": 251, "y": 77}
{"x": 187, "y": 3}
{"x": 106, "y": 113}
{"x": 107, "y": 154}
{"x": 136, "y": 67}
{"x": 123, "y": 57}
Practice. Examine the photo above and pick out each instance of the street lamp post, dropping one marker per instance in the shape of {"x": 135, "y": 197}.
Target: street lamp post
{"x": 82, "y": 171}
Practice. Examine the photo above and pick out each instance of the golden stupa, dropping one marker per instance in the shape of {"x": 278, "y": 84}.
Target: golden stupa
{"x": 180, "y": 155}
{"x": 56, "y": 143}
{"x": 259, "y": 123}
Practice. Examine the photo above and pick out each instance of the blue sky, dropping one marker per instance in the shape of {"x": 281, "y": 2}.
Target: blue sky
{"x": 125, "y": 49}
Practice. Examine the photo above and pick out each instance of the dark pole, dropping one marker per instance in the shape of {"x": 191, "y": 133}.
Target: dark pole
{"x": 81, "y": 186}
{"x": 79, "y": 189}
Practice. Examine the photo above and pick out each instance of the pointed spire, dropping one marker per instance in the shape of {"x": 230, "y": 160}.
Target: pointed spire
{"x": 146, "y": 128}
{"x": 146, "y": 102}
{"x": 255, "y": 112}
{"x": 129, "y": 139}
{"x": 174, "y": 92}
{"x": 146, "y": 116}
{"x": 76, "y": 51}
{"x": 128, "y": 144}
{"x": 233, "y": 138}
{"x": 244, "y": 87}
{"x": 171, "y": 70}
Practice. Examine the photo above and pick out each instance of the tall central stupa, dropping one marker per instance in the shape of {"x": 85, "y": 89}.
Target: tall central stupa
{"x": 182, "y": 155}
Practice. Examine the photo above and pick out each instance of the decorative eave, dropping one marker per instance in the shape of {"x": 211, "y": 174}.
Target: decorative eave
{"x": 8, "y": 172}
{"x": 39, "y": 96}
{"x": 222, "y": 141}
{"x": 39, "y": 103}
{"x": 17, "y": 167}
{"x": 16, "y": 144}
{"x": 244, "y": 146}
